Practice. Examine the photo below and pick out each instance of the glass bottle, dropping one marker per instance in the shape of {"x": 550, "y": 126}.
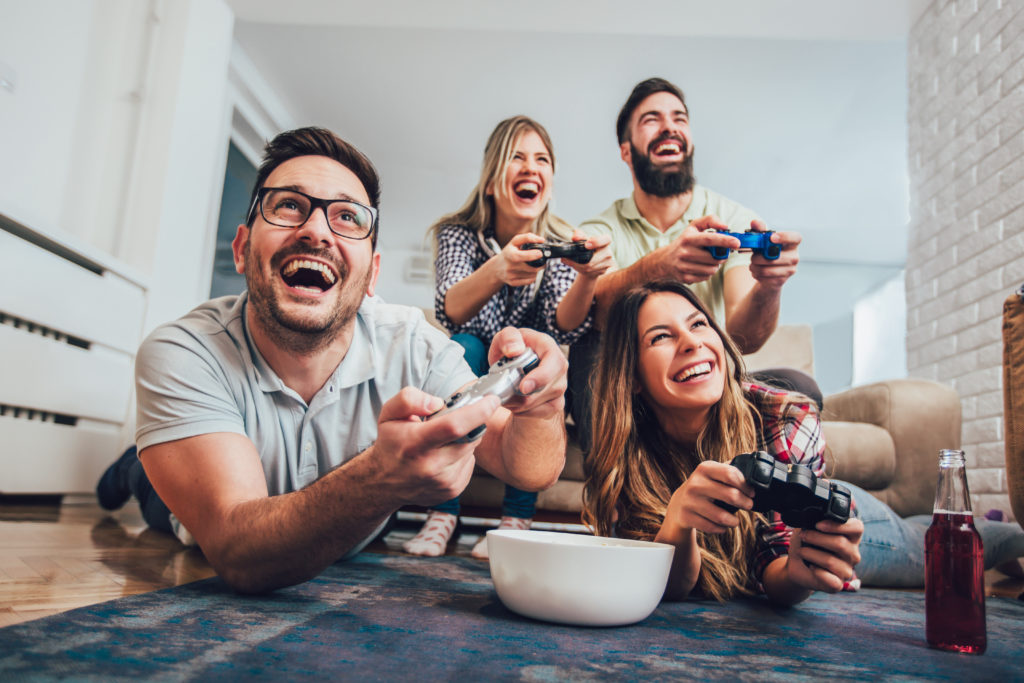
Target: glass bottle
{"x": 954, "y": 565}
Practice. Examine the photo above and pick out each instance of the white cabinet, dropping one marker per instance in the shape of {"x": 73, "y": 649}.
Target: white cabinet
{"x": 70, "y": 323}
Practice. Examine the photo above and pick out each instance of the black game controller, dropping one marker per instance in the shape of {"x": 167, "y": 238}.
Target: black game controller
{"x": 760, "y": 242}
{"x": 800, "y": 497}
{"x": 574, "y": 251}
{"x": 502, "y": 380}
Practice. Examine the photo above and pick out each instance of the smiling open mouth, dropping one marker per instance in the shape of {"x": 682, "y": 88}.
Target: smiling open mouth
{"x": 527, "y": 189}
{"x": 698, "y": 370}
{"x": 308, "y": 275}
{"x": 668, "y": 148}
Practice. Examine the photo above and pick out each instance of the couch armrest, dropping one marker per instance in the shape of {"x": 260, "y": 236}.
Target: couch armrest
{"x": 921, "y": 416}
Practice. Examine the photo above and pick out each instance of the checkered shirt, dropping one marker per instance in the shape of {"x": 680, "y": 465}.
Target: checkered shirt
{"x": 459, "y": 253}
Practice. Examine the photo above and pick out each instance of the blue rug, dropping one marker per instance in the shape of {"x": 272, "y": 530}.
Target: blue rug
{"x": 385, "y": 617}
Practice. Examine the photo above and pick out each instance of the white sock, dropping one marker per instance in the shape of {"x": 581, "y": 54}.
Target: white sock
{"x": 433, "y": 537}
{"x": 479, "y": 551}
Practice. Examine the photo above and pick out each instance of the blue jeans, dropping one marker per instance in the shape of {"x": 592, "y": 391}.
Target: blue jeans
{"x": 516, "y": 503}
{"x": 892, "y": 548}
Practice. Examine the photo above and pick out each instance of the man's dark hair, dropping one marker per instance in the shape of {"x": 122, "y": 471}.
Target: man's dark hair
{"x": 312, "y": 141}
{"x": 641, "y": 92}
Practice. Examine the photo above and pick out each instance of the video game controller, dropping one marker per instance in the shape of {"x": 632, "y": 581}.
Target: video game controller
{"x": 800, "y": 497}
{"x": 574, "y": 251}
{"x": 502, "y": 380}
{"x": 755, "y": 241}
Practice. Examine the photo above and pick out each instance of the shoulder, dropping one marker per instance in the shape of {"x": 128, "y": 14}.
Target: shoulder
{"x": 390, "y": 324}
{"x": 214, "y": 328}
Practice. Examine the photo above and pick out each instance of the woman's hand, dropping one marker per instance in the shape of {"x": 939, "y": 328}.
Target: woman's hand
{"x": 822, "y": 558}
{"x": 511, "y": 265}
{"x": 693, "y": 505}
{"x": 600, "y": 262}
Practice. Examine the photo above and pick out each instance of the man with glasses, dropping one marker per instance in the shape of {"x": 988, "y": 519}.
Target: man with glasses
{"x": 281, "y": 428}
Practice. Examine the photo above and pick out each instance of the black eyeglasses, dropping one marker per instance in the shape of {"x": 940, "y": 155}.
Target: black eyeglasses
{"x": 291, "y": 209}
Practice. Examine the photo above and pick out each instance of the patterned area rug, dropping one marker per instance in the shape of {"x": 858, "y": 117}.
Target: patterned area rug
{"x": 386, "y": 617}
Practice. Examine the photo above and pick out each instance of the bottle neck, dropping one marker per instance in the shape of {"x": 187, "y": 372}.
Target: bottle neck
{"x": 951, "y": 492}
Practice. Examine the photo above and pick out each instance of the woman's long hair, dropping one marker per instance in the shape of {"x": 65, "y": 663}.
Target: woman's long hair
{"x": 478, "y": 211}
{"x": 634, "y": 467}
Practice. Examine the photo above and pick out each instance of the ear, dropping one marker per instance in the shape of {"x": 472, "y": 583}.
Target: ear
{"x": 374, "y": 272}
{"x": 626, "y": 153}
{"x": 238, "y": 248}
{"x": 489, "y": 188}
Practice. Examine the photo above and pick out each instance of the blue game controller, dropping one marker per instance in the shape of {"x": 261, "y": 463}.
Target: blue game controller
{"x": 755, "y": 241}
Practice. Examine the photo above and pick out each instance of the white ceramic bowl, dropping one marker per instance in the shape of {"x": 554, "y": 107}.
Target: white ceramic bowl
{"x": 578, "y": 579}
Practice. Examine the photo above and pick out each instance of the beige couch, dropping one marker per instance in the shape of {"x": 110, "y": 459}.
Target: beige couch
{"x": 884, "y": 437}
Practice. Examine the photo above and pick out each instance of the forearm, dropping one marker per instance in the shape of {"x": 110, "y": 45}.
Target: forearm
{"x": 686, "y": 562}
{"x": 465, "y": 298}
{"x": 779, "y": 588}
{"x": 278, "y": 541}
{"x": 528, "y": 451}
{"x": 753, "y": 319}
{"x": 575, "y": 305}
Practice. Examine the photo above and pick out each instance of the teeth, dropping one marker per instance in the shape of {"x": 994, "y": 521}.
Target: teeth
{"x": 293, "y": 266}
{"x": 698, "y": 369}
{"x": 669, "y": 147}
{"x": 528, "y": 187}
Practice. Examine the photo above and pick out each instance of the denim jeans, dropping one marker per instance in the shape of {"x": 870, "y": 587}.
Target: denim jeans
{"x": 516, "y": 503}
{"x": 892, "y": 547}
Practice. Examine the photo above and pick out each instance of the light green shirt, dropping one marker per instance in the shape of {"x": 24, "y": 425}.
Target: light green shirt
{"x": 633, "y": 237}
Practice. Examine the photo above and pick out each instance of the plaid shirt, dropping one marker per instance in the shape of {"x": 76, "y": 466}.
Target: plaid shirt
{"x": 793, "y": 436}
{"x": 534, "y": 306}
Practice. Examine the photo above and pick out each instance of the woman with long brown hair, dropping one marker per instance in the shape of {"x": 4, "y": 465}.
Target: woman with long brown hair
{"x": 672, "y": 407}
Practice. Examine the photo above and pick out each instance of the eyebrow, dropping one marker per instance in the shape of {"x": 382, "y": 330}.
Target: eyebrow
{"x": 665, "y": 326}
{"x": 341, "y": 195}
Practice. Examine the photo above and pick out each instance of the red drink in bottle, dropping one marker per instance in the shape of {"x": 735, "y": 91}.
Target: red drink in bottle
{"x": 955, "y": 571}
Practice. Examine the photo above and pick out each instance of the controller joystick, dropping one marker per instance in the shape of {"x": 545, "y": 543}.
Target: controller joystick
{"x": 760, "y": 242}
{"x": 574, "y": 251}
{"x": 502, "y": 380}
{"x": 800, "y": 497}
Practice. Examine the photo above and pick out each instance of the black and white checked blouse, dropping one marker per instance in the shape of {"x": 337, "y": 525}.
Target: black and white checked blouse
{"x": 459, "y": 253}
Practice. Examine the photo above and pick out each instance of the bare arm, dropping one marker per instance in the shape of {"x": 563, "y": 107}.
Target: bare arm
{"x": 753, "y": 295}
{"x": 691, "y": 509}
{"x": 575, "y": 305}
{"x": 524, "y": 444}
{"x": 215, "y": 485}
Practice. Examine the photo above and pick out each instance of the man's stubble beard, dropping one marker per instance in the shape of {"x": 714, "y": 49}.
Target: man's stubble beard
{"x": 302, "y": 335}
{"x": 659, "y": 182}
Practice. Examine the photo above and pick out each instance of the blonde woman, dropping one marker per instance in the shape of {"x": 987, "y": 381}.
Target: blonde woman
{"x": 485, "y": 281}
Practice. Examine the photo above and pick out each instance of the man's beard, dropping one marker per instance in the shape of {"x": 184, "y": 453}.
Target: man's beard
{"x": 660, "y": 182}
{"x": 293, "y": 331}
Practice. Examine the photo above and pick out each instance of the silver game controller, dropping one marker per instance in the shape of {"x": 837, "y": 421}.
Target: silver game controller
{"x": 502, "y": 380}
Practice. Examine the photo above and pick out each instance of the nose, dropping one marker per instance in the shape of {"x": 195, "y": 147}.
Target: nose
{"x": 689, "y": 342}
{"x": 316, "y": 229}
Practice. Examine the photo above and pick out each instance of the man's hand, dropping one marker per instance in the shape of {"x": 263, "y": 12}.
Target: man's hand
{"x": 419, "y": 461}
{"x": 600, "y": 262}
{"x": 687, "y": 259}
{"x": 511, "y": 262}
{"x": 692, "y": 505}
{"x": 544, "y": 386}
{"x": 773, "y": 274}
{"x": 823, "y": 558}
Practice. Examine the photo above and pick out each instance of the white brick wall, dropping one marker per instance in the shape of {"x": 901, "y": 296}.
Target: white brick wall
{"x": 965, "y": 63}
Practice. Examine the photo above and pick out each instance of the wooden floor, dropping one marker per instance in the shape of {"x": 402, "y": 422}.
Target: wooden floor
{"x": 58, "y": 555}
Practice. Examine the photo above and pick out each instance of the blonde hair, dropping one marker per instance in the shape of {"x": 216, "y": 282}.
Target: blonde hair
{"x": 633, "y": 467}
{"x": 478, "y": 211}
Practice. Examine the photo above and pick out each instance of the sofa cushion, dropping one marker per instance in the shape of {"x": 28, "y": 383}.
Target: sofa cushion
{"x": 868, "y": 454}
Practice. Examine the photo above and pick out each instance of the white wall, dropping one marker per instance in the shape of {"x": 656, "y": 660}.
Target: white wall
{"x": 966, "y": 116}
{"x": 116, "y": 132}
